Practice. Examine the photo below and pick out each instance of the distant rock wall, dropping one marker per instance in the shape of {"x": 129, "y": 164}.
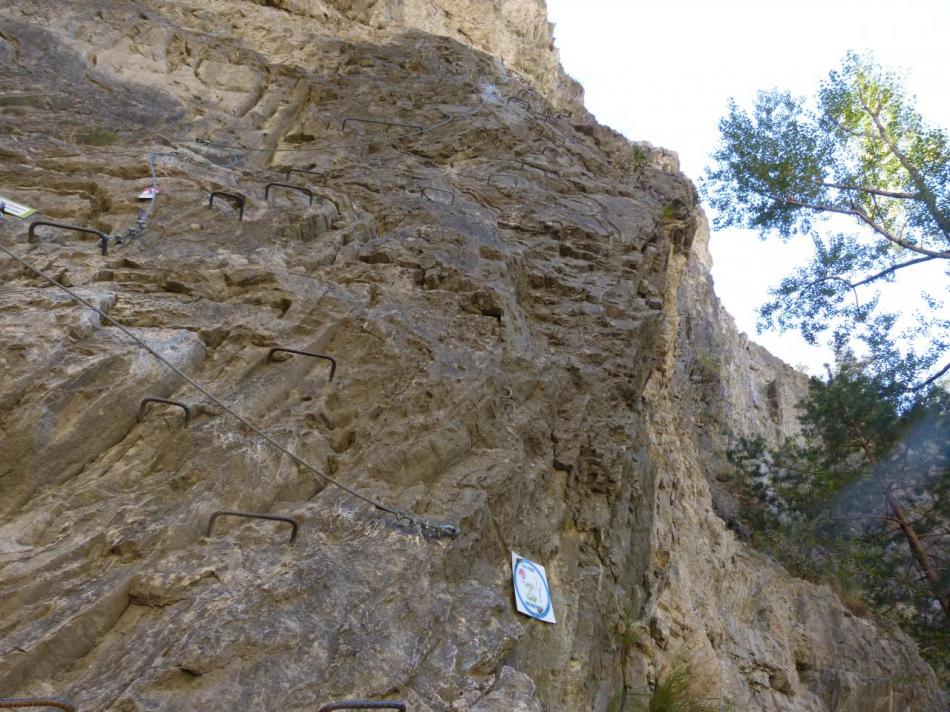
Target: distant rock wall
{"x": 527, "y": 346}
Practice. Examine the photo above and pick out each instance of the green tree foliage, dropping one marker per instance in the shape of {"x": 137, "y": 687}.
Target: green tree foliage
{"x": 861, "y": 499}
{"x": 859, "y": 153}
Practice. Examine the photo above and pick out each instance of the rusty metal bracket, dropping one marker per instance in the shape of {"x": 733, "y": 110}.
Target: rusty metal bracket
{"x": 364, "y": 705}
{"x": 428, "y": 191}
{"x": 355, "y": 119}
{"x": 103, "y": 238}
{"x": 332, "y": 360}
{"x": 322, "y": 176}
{"x": 254, "y": 515}
{"x": 492, "y": 181}
{"x": 520, "y": 102}
{"x": 14, "y": 702}
{"x": 235, "y": 197}
{"x": 155, "y": 399}
{"x": 298, "y": 188}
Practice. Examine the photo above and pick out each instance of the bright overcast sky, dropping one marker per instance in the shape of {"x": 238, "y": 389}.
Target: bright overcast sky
{"x": 662, "y": 71}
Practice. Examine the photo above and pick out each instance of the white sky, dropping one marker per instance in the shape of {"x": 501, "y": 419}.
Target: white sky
{"x": 662, "y": 70}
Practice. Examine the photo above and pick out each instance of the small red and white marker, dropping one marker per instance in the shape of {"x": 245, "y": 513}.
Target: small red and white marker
{"x": 149, "y": 193}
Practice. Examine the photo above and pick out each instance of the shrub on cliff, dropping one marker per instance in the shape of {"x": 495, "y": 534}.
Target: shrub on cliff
{"x": 861, "y": 500}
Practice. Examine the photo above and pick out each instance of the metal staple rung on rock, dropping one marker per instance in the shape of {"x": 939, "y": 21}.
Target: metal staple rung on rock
{"x": 322, "y": 176}
{"x": 279, "y": 349}
{"x": 364, "y": 705}
{"x": 492, "y": 181}
{"x": 439, "y": 530}
{"x": 236, "y": 197}
{"x": 354, "y": 119}
{"x": 520, "y": 102}
{"x": 155, "y": 399}
{"x": 426, "y": 190}
{"x": 517, "y": 75}
{"x": 539, "y": 167}
{"x": 298, "y": 188}
{"x": 103, "y": 238}
{"x": 17, "y": 702}
{"x": 256, "y": 515}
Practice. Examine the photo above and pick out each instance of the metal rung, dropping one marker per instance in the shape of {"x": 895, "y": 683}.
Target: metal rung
{"x": 155, "y": 399}
{"x": 354, "y": 119}
{"x": 256, "y": 515}
{"x": 520, "y": 102}
{"x": 517, "y": 75}
{"x": 298, "y": 188}
{"x": 364, "y": 705}
{"x": 322, "y": 176}
{"x": 428, "y": 191}
{"x": 14, "y": 702}
{"x": 539, "y": 167}
{"x": 235, "y": 197}
{"x": 493, "y": 176}
{"x": 279, "y": 349}
{"x": 103, "y": 238}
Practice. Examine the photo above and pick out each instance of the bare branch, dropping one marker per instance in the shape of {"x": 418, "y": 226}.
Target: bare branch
{"x": 927, "y": 382}
{"x": 817, "y": 207}
{"x": 874, "y": 191}
{"x": 888, "y": 235}
{"x": 863, "y": 217}
{"x": 894, "y": 268}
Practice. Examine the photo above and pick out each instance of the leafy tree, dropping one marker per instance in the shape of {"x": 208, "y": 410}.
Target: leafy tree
{"x": 858, "y": 156}
{"x": 861, "y": 499}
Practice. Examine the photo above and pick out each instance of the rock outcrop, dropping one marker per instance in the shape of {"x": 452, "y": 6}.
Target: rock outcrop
{"x": 527, "y": 346}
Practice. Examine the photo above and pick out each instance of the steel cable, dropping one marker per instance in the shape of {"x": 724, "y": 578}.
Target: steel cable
{"x": 427, "y": 528}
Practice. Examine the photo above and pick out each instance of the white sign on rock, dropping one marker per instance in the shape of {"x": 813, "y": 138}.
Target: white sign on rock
{"x": 532, "y": 592}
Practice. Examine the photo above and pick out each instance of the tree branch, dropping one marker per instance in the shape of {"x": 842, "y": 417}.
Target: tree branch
{"x": 857, "y": 302}
{"x": 925, "y": 194}
{"x": 893, "y": 268}
{"x": 874, "y": 191}
{"x": 888, "y": 235}
{"x": 863, "y": 217}
{"x": 927, "y": 382}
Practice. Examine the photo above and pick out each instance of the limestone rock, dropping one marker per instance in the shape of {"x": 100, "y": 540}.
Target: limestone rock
{"x": 526, "y": 345}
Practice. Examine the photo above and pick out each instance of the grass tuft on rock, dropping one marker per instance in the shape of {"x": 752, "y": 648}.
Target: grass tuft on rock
{"x": 99, "y": 136}
{"x": 682, "y": 690}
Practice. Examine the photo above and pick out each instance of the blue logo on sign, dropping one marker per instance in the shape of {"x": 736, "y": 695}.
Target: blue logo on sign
{"x": 536, "y": 609}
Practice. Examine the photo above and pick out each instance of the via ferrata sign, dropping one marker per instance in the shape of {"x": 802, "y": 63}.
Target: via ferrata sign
{"x": 532, "y": 592}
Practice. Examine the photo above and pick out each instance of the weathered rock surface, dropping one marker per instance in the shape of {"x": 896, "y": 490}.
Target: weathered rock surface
{"x": 528, "y": 346}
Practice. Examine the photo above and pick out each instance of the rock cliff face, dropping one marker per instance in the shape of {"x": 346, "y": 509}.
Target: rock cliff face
{"x": 527, "y": 346}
